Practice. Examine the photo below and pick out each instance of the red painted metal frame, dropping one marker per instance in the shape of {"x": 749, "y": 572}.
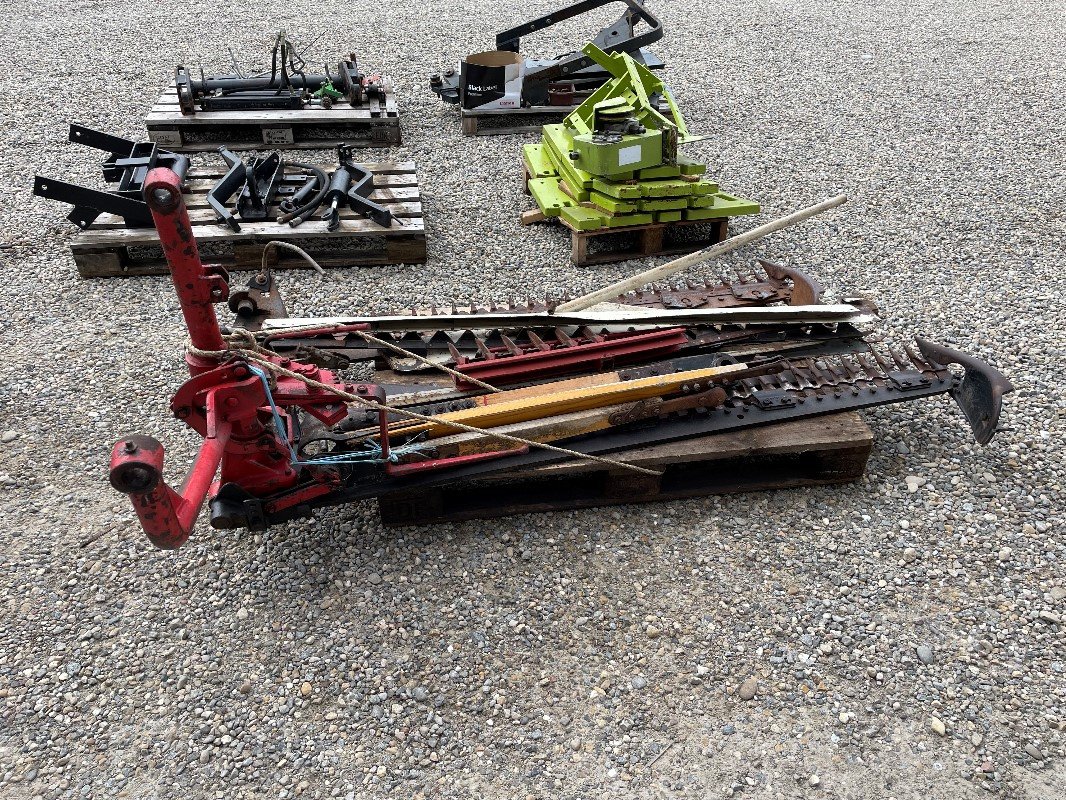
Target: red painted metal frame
{"x": 226, "y": 402}
{"x": 504, "y": 368}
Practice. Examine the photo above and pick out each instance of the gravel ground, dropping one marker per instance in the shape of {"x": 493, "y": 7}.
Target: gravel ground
{"x": 899, "y": 637}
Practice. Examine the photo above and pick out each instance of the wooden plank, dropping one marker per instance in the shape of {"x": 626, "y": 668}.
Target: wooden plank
{"x": 650, "y": 240}
{"x": 820, "y": 450}
{"x": 241, "y": 144}
{"x": 196, "y": 184}
{"x": 307, "y": 128}
{"x": 248, "y": 255}
{"x": 379, "y": 168}
{"x": 316, "y": 229}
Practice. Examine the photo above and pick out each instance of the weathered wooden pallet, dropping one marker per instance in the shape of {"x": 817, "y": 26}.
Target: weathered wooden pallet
{"x": 642, "y": 241}
{"x": 373, "y": 124}
{"x": 635, "y": 241}
{"x": 808, "y": 452}
{"x": 473, "y": 120}
{"x": 107, "y": 248}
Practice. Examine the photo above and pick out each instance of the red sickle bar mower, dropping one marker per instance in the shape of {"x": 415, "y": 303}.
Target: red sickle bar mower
{"x": 285, "y": 437}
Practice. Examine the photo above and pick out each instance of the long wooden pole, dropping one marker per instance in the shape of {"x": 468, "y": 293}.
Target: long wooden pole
{"x": 611, "y": 292}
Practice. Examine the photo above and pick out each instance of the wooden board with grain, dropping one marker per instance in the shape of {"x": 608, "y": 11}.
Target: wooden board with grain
{"x": 376, "y": 123}
{"x": 107, "y": 248}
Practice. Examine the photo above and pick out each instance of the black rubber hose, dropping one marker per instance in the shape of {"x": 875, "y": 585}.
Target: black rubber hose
{"x": 300, "y": 214}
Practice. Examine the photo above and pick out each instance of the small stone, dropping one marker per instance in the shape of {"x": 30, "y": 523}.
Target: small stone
{"x": 1058, "y": 593}
{"x": 1050, "y": 617}
{"x": 925, "y": 653}
{"x": 844, "y": 717}
{"x": 748, "y": 689}
{"x": 1034, "y": 751}
{"x": 638, "y": 682}
{"x": 976, "y": 739}
{"x": 1005, "y": 554}
{"x": 9, "y": 436}
{"x": 305, "y": 689}
{"x": 910, "y": 555}
{"x": 814, "y": 780}
{"x": 938, "y": 726}
{"x": 242, "y": 613}
{"x": 245, "y": 687}
{"x": 575, "y": 744}
{"x": 729, "y": 729}
{"x": 374, "y": 578}
{"x": 653, "y": 632}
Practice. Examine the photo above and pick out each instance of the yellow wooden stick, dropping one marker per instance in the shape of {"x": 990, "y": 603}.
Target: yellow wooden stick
{"x": 567, "y": 401}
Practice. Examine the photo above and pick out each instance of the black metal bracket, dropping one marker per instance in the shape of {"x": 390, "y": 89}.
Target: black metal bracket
{"x": 575, "y": 68}
{"x": 255, "y": 183}
{"x": 127, "y": 165}
{"x": 353, "y": 185}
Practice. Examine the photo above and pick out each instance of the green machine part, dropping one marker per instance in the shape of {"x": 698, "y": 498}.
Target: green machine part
{"x": 614, "y": 161}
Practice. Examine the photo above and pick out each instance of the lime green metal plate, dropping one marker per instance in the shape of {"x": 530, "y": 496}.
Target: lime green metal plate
{"x": 669, "y": 216}
{"x": 661, "y": 171}
{"x": 581, "y": 219}
{"x": 612, "y": 204}
{"x": 668, "y": 204}
{"x": 625, "y": 220}
{"x": 725, "y": 205}
{"x": 550, "y": 198}
{"x": 537, "y": 161}
{"x": 623, "y": 191}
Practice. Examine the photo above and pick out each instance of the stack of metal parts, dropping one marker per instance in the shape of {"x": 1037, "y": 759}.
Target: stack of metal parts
{"x": 287, "y": 86}
{"x": 502, "y": 387}
{"x": 127, "y": 165}
{"x": 256, "y": 183}
{"x": 502, "y": 80}
{"x": 614, "y": 161}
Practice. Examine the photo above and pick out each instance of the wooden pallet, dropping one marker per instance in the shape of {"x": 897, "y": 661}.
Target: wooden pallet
{"x": 107, "y": 248}
{"x": 375, "y": 124}
{"x": 641, "y": 241}
{"x": 808, "y": 452}
{"x": 472, "y": 119}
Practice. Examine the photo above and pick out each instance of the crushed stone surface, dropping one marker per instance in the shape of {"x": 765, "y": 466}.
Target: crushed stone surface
{"x": 894, "y": 638}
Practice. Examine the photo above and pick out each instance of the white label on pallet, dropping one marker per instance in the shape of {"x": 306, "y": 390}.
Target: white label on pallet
{"x": 166, "y": 138}
{"x": 629, "y": 155}
{"x": 277, "y": 136}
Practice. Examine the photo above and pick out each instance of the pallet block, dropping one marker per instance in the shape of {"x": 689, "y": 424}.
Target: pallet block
{"x": 809, "y": 452}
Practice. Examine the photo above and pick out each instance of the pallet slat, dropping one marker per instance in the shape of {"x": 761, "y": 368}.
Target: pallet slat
{"x": 108, "y": 248}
